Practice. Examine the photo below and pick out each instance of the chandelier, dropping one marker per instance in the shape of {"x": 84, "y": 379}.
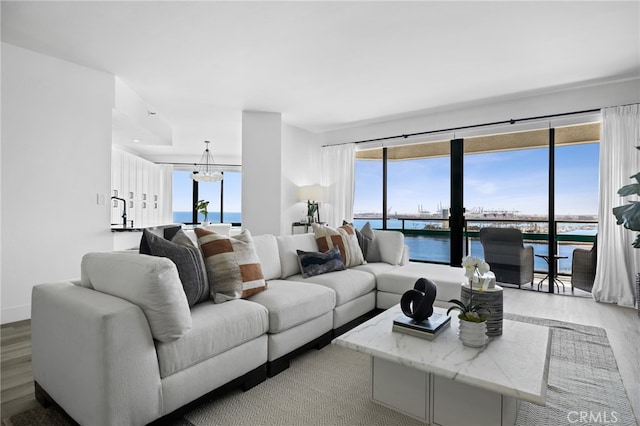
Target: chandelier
{"x": 206, "y": 172}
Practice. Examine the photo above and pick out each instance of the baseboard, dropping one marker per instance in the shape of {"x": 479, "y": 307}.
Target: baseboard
{"x": 15, "y": 313}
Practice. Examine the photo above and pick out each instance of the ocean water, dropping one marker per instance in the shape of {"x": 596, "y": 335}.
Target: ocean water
{"x": 214, "y": 217}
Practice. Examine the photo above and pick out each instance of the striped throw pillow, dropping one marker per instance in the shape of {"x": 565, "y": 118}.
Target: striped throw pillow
{"x": 344, "y": 238}
{"x": 232, "y": 264}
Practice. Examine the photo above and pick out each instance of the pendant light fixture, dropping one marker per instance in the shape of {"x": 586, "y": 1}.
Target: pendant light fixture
{"x": 205, "y": 171}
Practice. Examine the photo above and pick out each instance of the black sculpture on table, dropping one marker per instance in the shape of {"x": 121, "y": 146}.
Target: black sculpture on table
{"x": 417, "y": 303}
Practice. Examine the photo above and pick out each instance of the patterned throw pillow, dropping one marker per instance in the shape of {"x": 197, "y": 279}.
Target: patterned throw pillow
{"x": 313, "y": 263}
{"x": 187, "y": 258}
{"x": 232, "y": 264}
{"x": 344, "y": 238}
{"x": 364, "y": 236}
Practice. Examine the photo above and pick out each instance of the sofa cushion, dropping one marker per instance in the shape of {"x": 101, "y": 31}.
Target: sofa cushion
{"x": 292, "y": 303}
{"x": 287, "y": 248}
{"x": 403, "y": 278}
{"x": 216, "y": 329}
{"x": 267, "y": 250}
{"x": 375, "y": 268}
{"x": 233, "y": 267}
{"x": 147, "y": 281}
{"x": 315, "y": 263}
{"x": 344, "y": 238}
{"x": 187, "y": 258}
{"x": 348, "y": 285}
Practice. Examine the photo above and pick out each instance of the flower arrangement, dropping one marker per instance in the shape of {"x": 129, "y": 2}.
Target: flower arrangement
{"x": 474, "y": 268}
{"x": 312, "y": 209}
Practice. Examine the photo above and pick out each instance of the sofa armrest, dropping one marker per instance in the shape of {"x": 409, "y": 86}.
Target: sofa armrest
{"x": 405, "y": 256}
{"x": 94, "y": 355}
{"x": 390, "y": 245}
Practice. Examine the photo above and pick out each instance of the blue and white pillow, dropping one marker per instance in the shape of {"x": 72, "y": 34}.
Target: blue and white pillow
{"x": 314, "y": 263}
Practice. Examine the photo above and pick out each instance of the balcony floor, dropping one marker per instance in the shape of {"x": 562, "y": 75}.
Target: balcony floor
{"x": 544, "y": 288}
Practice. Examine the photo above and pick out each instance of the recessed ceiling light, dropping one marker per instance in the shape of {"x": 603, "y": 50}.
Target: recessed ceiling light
{"x": 135, "y": 140}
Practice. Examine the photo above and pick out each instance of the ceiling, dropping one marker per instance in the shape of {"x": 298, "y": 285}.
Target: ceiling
{"x": 330, "y": 64}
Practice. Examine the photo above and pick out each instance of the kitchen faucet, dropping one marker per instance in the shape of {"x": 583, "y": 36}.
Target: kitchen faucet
{"x": 124, "y": 210}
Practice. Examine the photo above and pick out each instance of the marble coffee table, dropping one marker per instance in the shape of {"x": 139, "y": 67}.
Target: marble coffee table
{"x": 443, "y": 382}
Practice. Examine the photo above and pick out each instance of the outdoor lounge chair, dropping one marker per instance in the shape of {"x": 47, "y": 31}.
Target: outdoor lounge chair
{"x": 583, "y": 268}
{"x": 509, "y": 259}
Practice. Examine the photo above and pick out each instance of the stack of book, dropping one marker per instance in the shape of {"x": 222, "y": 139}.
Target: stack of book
{"x": 427, "y": 329}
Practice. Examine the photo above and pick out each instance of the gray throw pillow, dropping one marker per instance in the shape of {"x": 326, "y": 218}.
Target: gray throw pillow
{"x": 314, "y": 263}
{"x": 188, "y": 261}
{"x": 367, "y": 235}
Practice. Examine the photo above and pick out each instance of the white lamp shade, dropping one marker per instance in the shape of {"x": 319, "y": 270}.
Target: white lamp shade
{"x": 311, "y": 193}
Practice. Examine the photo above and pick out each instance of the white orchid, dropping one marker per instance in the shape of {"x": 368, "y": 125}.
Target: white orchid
{"x": 472, "y": 264}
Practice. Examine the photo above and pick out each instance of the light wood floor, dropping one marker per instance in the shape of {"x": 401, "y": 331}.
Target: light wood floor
{"x": 622, "y": 325}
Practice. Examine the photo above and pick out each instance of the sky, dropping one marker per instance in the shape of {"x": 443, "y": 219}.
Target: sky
{"x": 511, "y": 180}
{"x": 209, "y": 191}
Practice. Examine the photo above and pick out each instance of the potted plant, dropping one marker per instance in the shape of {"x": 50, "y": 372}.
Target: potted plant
{"x": 628, "y": 215}
{"x": 202, "y": 208}
{"x": 312, "y": 208}
{"x": 473, "y": 326}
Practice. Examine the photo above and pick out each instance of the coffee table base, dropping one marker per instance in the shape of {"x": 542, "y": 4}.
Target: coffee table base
{"x": 437, "y": 400}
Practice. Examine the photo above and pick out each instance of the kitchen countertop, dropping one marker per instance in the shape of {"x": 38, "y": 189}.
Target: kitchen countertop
{"x": 120, "y": 228}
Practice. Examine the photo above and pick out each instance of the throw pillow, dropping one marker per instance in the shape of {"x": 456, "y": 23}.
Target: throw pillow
{"x": 364, "y": 236}
{"x": 150, "y": 282}
{"x": 187, "y": 258}
{"x": 233, "y": 267}
{"x": 313, "y": 263}
{"x": 344, "y": 238}
{"x": 367, "y": 236}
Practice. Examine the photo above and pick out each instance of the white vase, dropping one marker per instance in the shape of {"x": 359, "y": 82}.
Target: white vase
{"x": 473, "y": 334}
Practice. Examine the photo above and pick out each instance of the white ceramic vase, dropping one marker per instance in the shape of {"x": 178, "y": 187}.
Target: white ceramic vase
{"x": 473, "y": 334}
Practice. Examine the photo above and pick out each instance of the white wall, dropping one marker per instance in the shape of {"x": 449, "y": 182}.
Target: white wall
{"x": 535, "y": 104}
{"x": 56, "y": 155}
{"x": 300, "y": 166}
{"x": 261, "y": 172}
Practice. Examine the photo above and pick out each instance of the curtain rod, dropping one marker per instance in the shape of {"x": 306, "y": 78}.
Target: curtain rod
{"x": 472, "y": 126}
{"x": 199, "y": 164}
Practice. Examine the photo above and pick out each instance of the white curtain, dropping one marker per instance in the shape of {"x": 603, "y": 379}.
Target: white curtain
{"x": 618, "y": 262}
{"x": 338, "y": 176}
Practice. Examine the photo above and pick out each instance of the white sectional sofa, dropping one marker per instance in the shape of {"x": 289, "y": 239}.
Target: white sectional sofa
{"x": 109, "y": 360}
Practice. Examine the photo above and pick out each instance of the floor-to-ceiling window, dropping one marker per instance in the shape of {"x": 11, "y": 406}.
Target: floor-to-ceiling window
{"x": 506, "y": 183}
{"x": 224, "y": 198}
{"x": 576, "y": 199}
{"x": 367, "y": 203}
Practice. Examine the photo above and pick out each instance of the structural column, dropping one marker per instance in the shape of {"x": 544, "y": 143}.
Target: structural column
{"x": 261, "y": 172}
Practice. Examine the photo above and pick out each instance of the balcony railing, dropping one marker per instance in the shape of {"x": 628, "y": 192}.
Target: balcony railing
{"x": 429, "y": 239}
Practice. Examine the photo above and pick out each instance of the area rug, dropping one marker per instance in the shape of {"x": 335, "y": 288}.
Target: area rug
{"x": 332, "y": 387}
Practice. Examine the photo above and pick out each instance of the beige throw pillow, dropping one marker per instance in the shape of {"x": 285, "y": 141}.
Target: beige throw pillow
{"x": 344, "y": 238}
{"x": 233, "y": 267}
